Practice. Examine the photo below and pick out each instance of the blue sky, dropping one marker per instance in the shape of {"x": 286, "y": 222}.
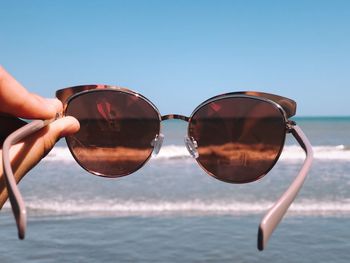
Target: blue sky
{"x": 179, "y": 53}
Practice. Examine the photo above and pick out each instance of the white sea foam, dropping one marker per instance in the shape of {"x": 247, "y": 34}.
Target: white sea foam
{"x": 290, "y": 152}
{"x": 195, "y": 207}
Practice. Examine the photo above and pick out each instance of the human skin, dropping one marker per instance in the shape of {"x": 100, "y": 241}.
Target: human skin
{"x": 16, "y": 101}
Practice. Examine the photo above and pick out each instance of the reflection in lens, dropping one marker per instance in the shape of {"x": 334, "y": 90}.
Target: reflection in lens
{"x": 116, "y": 131}
{"x": 239, "y": 138}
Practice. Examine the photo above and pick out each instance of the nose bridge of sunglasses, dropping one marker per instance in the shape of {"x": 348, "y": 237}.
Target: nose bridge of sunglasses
{"x": 190, "y": 142}
{"x": 175, "y": 117}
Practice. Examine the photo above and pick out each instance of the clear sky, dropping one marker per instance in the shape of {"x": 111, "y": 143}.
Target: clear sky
{"x": 179, "y": 53}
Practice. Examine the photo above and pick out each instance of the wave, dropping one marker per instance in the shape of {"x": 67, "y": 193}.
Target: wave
{"x": 195, "y": 207}
{"x": 290, "y": 152}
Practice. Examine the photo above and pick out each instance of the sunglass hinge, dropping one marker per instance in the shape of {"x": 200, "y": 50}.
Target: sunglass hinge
{"x": 58, "y": 115}
{"x": 290, "y": 125}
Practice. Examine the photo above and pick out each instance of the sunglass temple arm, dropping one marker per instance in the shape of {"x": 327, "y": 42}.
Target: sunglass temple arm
{"x": 277, "y": 211}
{"x": 16, "y": 200}
{"x": 267, "y": 225}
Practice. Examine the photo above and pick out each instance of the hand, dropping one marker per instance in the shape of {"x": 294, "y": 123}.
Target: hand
{"x": 16, "y": 101}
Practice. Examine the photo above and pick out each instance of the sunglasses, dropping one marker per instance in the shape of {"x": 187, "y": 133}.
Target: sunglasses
{"x": 235, "y": 137}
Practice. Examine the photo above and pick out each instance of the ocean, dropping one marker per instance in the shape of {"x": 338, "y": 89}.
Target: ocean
{"x": 172, "y": 211}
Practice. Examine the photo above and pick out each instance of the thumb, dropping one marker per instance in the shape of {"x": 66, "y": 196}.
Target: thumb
{"x": 27, "y": 153}
{"x": 56, "y": 130}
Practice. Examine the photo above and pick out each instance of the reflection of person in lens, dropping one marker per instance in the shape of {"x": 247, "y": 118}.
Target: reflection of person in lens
{"x": 117, "y": 131}
{"x": 108, "y": 114}
{"x": 16, "y": 101}
{"x": 98, "y": 119}
{"x": 113, "y": 120}
{"x": 238, "y": 137}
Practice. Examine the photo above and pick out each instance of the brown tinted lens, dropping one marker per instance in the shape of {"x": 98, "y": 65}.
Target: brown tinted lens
{"x": 239, "y": 139}
{"x": 116, "y": 131}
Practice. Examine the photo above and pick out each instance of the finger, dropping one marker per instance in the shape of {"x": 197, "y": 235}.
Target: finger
{"x": 56, "y": 130}
{"x": 17, "y": 101}
{"x": 29, "y": 152}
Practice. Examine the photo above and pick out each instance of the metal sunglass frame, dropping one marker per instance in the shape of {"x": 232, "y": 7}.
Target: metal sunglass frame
{"x": 269, "y": 221}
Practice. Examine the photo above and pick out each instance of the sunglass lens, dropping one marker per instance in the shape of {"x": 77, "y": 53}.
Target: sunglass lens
{"x": 117, "y": 130}
{"x": 239, "y": 139}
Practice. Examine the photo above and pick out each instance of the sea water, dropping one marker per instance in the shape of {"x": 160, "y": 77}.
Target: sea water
{"x": 172, "y": 211}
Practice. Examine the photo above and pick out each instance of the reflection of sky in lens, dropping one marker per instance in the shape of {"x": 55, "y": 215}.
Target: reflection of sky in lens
{"x": 180, "y": 53}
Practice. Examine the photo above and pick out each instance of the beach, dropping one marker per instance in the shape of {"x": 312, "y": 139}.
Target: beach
{"x": 172, "y": 211}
